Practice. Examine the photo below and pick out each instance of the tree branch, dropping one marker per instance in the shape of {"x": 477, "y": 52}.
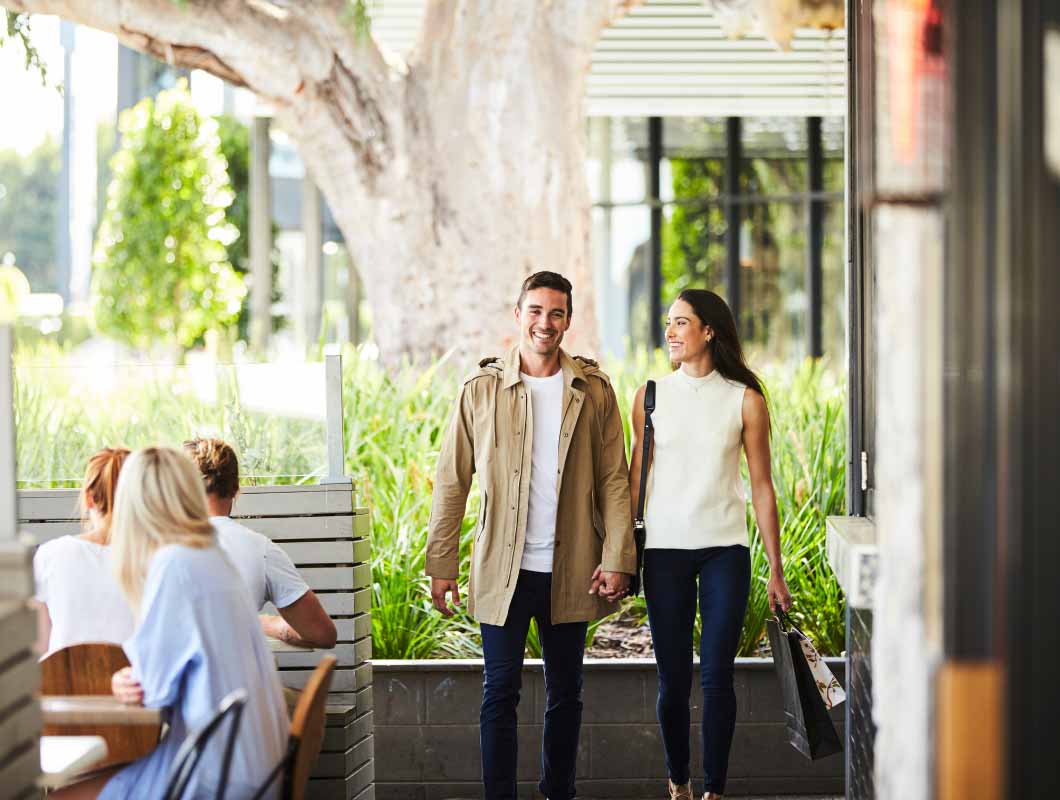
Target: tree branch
{"x": 272, "y": 47}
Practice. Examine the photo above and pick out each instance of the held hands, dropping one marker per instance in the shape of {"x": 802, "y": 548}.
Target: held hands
{"x": 439, "y": 587}
{"x": 777, "y": 592}
{"x": 126, "y": 688}
{"x": 611, "y": 586}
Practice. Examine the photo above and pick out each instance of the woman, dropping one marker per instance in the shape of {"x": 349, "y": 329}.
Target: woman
{"x": 79, "y": 599}
{"x": 710, "y": 407}
{"x": 197, "y": 637}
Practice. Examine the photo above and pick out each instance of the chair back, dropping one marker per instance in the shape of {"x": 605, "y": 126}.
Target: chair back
{"x": 189, "y": 756}
{"x": 307, "y": 729}
{"x": 87, "y": 669}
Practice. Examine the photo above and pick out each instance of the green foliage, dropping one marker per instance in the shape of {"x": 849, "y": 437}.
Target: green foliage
{"x": 28, "y": 208}
{"x": 693, "y": 239}
{"x": 161, "y": 270}
{"x": 394, "y": 423}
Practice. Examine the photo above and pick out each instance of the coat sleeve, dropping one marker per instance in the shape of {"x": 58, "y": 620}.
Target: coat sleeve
{"x": 612, "y": 491}
{"x": 452, "y": 482}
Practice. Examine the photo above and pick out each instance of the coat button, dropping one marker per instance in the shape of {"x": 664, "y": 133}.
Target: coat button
{"x": 566, "y": 435}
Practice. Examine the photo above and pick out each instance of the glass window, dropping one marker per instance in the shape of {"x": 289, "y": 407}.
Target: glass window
{"x": 622, "y": 258}
{"x": 833, "y": 286}
{"x": 617, "y": 166}
{"x": 773, "y": 281}
{"x": 774, "y": 155}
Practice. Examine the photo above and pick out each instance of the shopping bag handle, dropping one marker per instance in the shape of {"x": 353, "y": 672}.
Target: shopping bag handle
{"x": 782, "y": 618}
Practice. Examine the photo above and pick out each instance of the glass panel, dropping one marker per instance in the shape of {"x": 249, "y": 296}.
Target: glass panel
{"x": 773, "y": 261}
{"x": 272, "y": 414}
{"x": 693, "y": 247}
{"x": 774, "y": 155}
{"x": 617, "y": 166}
{"x": 622, "y": 258}
{"x": 832, "y": 134}
{"x": 833, "y": 287}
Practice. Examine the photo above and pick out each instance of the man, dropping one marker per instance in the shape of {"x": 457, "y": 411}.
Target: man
{"x": 543, "y": 432}
{"x": 265, "y": 567}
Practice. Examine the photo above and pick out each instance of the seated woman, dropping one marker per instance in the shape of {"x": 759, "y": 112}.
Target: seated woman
{"x": 79, "y": 599}
{"x": 265, "y": 567}
{"x": 197, "y": 637}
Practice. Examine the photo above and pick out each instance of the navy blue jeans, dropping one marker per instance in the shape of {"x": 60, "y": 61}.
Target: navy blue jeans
{"x": 562, "y": 648}
{"x": 670, "y": 576}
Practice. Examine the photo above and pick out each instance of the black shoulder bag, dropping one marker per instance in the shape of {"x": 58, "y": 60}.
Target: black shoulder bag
{"x": 640, "y": 534}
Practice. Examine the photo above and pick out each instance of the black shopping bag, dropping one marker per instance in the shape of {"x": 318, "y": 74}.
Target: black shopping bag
{"x": 810, "y": 729}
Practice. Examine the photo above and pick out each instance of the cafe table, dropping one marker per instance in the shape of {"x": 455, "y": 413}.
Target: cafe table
{"x": 63, "y": 758}
{"x": 95, "y": 709}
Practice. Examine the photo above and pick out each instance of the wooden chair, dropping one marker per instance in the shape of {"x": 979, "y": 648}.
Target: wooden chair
{"x": 87, "y": 669}
{"x": 307, "y": 732}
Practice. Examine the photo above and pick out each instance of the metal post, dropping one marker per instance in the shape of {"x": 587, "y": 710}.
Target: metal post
{"x": 312, "y": 295}
{"x": 655, "y": 135}
{"x": 333, "y": 418}
{"x": 8, "y": 516}
{"x": 260, "y": 236}
{"x": 64, "y": 260}
{"x": 733, "y": 164}
{"x": 815, "y": 235}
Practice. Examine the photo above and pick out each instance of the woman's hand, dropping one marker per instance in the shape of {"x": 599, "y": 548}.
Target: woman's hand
{"x": 126, "y": 688}
{"x": 777, "y": 591}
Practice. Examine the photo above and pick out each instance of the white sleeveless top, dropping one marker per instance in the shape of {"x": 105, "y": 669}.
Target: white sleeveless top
{"x": 75, "y": 581}
{"x": 695, "y": 494}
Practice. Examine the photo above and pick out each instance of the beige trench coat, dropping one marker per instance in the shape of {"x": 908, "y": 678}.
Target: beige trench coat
{"x": 491, "y": 434}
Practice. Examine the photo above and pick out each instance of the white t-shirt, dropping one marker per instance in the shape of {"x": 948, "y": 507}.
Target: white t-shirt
{"x": 75, "y": 581}
{"x": 266, "y": 568}
{"x": 546, "y": 398}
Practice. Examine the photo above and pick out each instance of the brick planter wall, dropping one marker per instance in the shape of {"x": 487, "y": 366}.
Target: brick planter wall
{"x": 426, "y": 732}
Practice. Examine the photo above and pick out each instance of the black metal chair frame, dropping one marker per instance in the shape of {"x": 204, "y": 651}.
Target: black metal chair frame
{"x": 194, "y": 745}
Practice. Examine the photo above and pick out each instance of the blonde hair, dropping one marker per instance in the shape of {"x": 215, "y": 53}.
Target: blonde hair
{"x": 160, "y": 501}
{"x": 218, "y": 464}
{"x": 99, "y": 486}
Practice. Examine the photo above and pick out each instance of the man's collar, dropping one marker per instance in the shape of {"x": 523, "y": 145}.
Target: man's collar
{"x": 571, "y": 369}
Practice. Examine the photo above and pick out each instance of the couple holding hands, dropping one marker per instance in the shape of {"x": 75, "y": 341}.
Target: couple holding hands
{"x": 554, "y": 542}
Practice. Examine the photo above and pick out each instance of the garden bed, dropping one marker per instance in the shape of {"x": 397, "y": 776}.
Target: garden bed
{"x": 427, "y": 746}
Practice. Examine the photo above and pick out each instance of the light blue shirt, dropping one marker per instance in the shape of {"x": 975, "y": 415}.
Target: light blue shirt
{"x": 197, "y": 640}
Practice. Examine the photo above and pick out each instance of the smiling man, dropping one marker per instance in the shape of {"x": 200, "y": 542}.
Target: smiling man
{"x": 554, "y": 541}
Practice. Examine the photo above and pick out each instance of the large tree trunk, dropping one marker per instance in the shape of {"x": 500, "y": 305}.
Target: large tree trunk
{"x": 452, "y": 177}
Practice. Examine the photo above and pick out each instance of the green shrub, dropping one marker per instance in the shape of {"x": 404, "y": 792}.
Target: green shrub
{"x": 394, "y": 424}
{"x": 160, "y": 270}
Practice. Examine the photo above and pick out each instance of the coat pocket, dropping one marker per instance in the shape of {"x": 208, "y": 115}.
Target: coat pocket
{"x": 482, "y": 515}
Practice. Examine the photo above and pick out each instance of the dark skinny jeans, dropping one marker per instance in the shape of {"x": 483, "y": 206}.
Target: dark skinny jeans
{"x": 562, "y": 648}
{"x": 724, "y": 575}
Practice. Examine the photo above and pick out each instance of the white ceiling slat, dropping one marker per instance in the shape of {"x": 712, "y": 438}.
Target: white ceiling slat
{"x": 670, "y": 58}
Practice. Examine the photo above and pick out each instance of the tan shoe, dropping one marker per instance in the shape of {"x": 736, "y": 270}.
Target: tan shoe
{"x": 682, "y": 792}
{"x": 711, "y": 796}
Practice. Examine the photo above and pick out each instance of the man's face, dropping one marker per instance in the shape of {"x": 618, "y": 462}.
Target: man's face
{"x": 542, "y": 321}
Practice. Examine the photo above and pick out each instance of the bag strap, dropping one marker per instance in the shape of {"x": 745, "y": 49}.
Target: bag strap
{"x": 649, "y": 407}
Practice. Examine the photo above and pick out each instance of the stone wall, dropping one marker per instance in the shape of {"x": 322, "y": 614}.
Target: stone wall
{"x": 427, "y": 737}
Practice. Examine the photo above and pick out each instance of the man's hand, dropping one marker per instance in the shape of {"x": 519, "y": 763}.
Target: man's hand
{"x": 126, "y": 688}
{"x": 609, "y": 585}
{"x": 439, "y": 587}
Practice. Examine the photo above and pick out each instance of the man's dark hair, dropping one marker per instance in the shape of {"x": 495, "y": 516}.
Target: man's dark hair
{"x": 548, "y": 280}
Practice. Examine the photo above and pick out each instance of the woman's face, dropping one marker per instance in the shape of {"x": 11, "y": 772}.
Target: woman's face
{"x": 686, "y": 336}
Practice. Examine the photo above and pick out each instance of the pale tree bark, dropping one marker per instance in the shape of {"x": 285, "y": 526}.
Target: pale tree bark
{"x": 452, "y": 175}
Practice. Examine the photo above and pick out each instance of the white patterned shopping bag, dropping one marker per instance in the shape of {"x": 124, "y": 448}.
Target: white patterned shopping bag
{"x": 831, "y": 692}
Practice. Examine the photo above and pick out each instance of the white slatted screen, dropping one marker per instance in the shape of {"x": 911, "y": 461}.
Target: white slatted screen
{"x": 670, "y": 58}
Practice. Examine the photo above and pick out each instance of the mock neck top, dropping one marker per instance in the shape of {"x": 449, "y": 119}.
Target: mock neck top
{"x": 695, "y": 495}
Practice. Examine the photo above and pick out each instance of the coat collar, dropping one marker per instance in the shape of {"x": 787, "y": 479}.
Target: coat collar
{"x": 572, "y": 371}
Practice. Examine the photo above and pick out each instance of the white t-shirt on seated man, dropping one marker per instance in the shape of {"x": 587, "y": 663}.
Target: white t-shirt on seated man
{"x": 266, "y": 569}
